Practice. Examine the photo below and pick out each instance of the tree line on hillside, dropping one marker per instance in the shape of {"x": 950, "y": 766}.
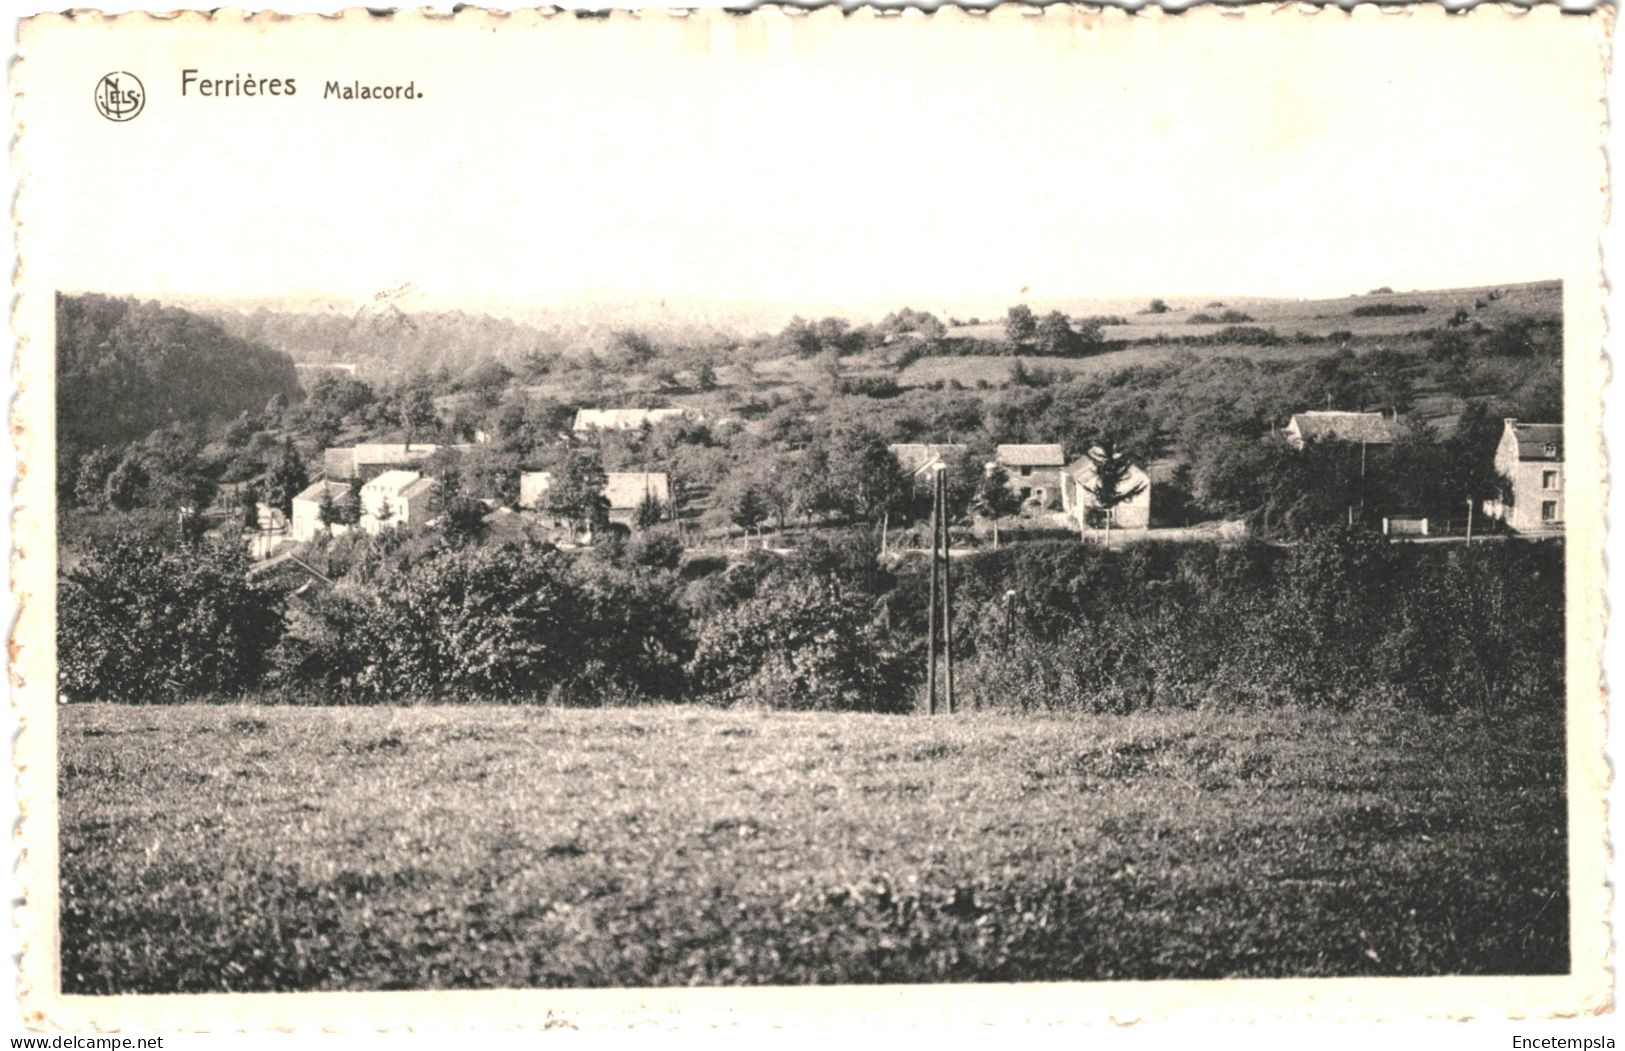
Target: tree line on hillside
{"x": 816, "y": 456}
{"x": 386, "y": 341}
{"x": 1339, "y": 620}
{"x": 125, "y": 369}
{"x": 753, "y": 459}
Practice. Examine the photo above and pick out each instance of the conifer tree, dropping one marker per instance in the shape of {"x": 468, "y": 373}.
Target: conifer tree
{"x": 1111, "y": 486}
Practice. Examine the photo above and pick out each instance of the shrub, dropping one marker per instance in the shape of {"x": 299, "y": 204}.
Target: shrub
{"x": 518, "y": 621}
{"x": 656, "y": 549}
{"x": 494, "y": 622}
{"x": 808, "y": 644}
{"x": 1249, "y": 334}
{"x": 871, "y": 386}
{"x": 1465, "y": 628}
{"x": 1387, "y": 309}
{"x": 142, "y": 622}
{"x": 631, "y": 633}
{"x": 332, "y": 647}
{"x": 1230, "y": 317}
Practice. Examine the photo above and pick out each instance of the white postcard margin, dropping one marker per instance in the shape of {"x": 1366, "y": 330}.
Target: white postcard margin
{"x": 1587, "y": 990}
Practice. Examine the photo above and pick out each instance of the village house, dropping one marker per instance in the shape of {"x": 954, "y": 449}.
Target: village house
{"x": 270, "y": 531}
{"x": 365, "y": 462}
{"x": 922, "y": 460}
{"x": 1354, "y": 428}
{"x": 1078, "y": 501}
{"x": 307, "y": 510}
{"x": 395, "y": 498}
{"x": 625, "y": 490}
{"x": 297, "y": 579}
{"x": 626, "y": 419}
{"x": 1529, "y": 459}
{"x": 1034, "y": 470}
{"x": 270, "y": 519}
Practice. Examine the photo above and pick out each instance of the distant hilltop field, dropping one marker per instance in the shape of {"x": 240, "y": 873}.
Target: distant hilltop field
{"x": 384, "y": 337}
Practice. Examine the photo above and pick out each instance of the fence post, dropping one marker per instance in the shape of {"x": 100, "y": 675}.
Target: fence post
{"x": 947, "y": 586}
{"x": 931, "y": 620}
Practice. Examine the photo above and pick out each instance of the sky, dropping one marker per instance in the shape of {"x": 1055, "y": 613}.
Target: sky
{"x": 831, "y": 161}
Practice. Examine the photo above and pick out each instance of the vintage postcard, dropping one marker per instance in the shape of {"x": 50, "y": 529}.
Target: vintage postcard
{"x": 1036, "y": 515}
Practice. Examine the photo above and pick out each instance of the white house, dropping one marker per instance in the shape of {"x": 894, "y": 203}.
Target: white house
{"x": 921, "y": 460}
{"x": 395, "y": 498}
{"x": 627, "y": 419}
{"x": 1077, "y": 500}
{"x": 307, "y": 510}
{"x": 1529, "y": 459}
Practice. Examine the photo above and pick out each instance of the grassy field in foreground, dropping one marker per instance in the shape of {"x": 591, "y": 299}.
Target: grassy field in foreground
{"x": 208, "y": 848}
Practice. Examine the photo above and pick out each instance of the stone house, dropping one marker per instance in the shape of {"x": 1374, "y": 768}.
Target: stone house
{"x": 1354, "y": 428}
{"x": 1034, "y": 470}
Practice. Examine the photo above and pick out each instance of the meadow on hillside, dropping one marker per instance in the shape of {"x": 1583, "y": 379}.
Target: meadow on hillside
{"x": 211, "y": 848}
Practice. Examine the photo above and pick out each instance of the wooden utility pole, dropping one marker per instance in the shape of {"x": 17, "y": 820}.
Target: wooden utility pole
{"x": 947, "y": 584}
{"x": 931, "y": 615}
{"x": 1469, "y": 520}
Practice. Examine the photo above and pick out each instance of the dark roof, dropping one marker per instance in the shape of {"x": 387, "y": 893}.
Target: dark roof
{"x": 347, "y": 461}
{"x": 1369, "y": 427}
{"x": 1538, "y": 441}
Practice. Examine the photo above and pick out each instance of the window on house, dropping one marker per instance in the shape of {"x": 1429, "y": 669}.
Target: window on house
{"x": 1026, "y": 471}
{"x": 1551, "y": 448}
{"x": 1026, "y": 491}
{"x": 1548, "y": 479}
{"x": 1548, "y": 510}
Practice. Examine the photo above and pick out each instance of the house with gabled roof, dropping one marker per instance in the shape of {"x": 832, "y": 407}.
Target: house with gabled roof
{"x": 365, "y": 461}
{"x": 1034, "y": 470}
{"x": 922, "y": 460}
{"x": 626, "y": 491}
{"x": 307, "y": 510}
{"x": 1529, "y": 460}
{"x": 394, "y": 499}
{"x": 1353, "y": 428}
{"x": 1081, "y": 505}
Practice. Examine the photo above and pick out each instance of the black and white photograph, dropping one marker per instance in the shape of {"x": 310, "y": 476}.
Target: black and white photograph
{"x": 772, "y": 503}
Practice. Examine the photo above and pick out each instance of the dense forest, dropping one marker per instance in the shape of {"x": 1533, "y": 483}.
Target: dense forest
{"x": 126, "y": 369}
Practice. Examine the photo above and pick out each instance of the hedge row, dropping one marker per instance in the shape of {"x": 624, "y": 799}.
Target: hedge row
{"x": 1340, "y": 619}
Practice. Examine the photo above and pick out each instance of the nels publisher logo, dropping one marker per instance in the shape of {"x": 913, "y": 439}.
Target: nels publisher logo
{"x": 120, "y": 96}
